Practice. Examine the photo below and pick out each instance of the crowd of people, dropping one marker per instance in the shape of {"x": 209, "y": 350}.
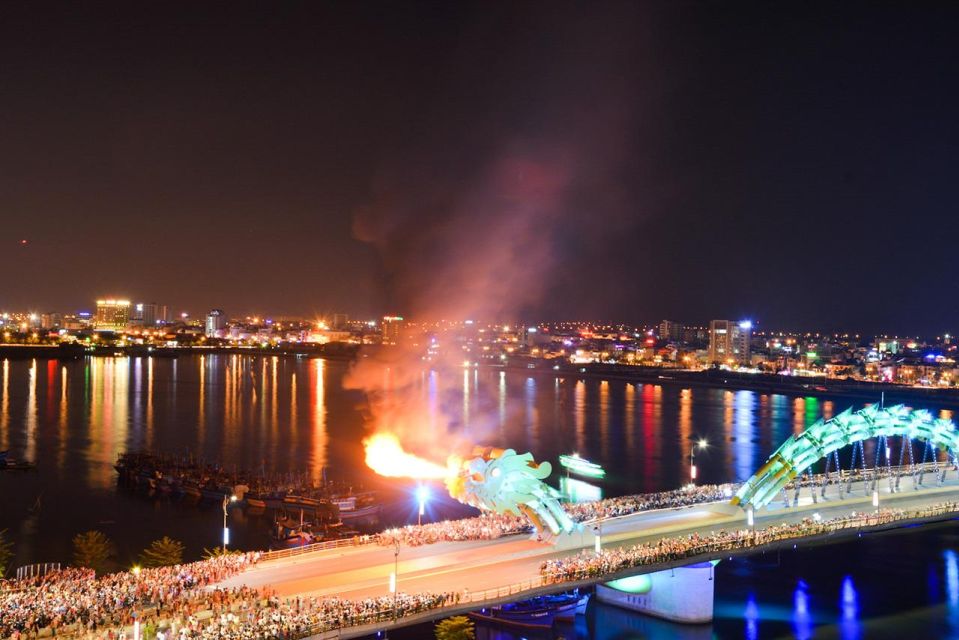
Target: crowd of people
{"x": 171, "y": 603}
{"x": 590, "y": 565}
{"x": 289, "y": 619}
{"x": 489, "y": 526}
{"x": 78, "y": 597}
{"x": 626, "y": 505}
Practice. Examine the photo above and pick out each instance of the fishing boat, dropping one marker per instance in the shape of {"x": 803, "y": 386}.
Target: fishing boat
{"x": 573, "y": 463}
{"x": 256, "y": 500}
{"x": 536, "y": 613}
{"x": 355, "y": 507}
{"x": 10, "y": 464}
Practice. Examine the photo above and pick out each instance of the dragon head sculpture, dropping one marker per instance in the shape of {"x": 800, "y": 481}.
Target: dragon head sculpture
{"x": 502, "y": 481}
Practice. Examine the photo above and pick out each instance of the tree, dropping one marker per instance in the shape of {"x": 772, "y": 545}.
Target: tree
{"x": 6, "y": 552}
{"x": 162, "y": 553}
{"x": 92, "y": 550}
{"x": 216, "y": 552}
{"x": 455, "y": 628}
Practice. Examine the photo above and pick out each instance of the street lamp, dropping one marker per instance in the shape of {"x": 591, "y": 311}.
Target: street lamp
{"x": 701, "y": 444}
{"x": 422, "y": 495}
{"x": 394, "y": 578}
{"x": 226, "y": 531}
{"x": 136, "y": 619}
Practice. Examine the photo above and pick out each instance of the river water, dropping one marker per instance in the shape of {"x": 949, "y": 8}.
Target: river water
{"x": 292, "y": 415}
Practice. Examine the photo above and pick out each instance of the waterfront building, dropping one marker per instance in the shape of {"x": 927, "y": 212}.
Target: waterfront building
{"x": 50, "y": 320}
{"x": 145, "y": 314}
{"x": 215, "y": 323}
{"x": 112, "y": 315}
{"x": 671, "y": 331}
{"x": 729, "y": 341}
{"x": 392, "y": 325}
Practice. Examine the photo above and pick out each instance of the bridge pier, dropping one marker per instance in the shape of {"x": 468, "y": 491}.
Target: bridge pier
{"x": 683, "y": 594}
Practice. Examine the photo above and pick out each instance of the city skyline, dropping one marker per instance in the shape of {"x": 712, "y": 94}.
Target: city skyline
{"x": 768, "y": 163}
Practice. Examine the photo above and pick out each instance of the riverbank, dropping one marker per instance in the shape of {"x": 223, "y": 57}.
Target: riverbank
{"x": 732, "y": 380}
{"x": 330, "y": 351}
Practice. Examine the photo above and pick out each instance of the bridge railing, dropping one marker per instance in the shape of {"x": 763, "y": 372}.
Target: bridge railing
{"x": 835, "y": 476}
{"x": 345, "y": 543}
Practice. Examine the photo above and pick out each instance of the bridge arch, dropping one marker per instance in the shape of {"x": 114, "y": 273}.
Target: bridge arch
{"x": 824, "y": 437}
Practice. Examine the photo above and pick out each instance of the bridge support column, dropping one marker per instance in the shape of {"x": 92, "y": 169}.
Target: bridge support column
{"x": 684, "y": 594}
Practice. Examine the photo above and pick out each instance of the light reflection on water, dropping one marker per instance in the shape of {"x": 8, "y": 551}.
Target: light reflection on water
{"x": 285, "y": 415}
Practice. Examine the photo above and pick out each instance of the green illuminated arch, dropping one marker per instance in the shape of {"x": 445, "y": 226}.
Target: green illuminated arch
{"x": 822, "y": 438}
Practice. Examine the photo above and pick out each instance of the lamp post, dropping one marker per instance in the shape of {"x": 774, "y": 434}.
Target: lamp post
{"x": 226, "y": 531}
{"x": 136, "y": 619}
{"x": 422, "y": 495}
{"x": 396, "y": 570}
{"x": 701, "y": 444}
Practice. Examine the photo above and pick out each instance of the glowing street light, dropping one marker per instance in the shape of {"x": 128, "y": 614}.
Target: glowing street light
{"x": 422, "y": 495}
{"x": 396, "y": 570}
{"x": 226, "y": 530}
{"x": 701, "y": 444}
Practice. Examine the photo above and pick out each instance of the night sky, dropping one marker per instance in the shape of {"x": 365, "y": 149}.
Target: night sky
{"x": 791, "y": 162}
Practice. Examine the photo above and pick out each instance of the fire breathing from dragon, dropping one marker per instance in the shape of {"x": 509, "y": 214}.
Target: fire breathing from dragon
{"x": 497, "y": 480}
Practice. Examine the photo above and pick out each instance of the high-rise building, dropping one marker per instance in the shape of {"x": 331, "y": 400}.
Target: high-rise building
{"x": 341, "y": 321}
{"x": 145, "y": 314}
{"x": 51, "y": 320}
{"x": 669, "y": 330}
{"x": 729, "y": 341}
{"x": 112, "y": 315}
{"x": 215, "y": 323}
{"x": 391, "y": 329}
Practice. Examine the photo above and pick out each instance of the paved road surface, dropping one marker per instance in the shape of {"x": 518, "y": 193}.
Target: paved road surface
{"x": 359, "y": 572}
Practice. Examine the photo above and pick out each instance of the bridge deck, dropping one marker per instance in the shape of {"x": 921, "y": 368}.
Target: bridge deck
{"x": 469, "y": 568}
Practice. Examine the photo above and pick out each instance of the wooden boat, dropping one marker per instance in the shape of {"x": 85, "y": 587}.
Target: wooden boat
{"x": 360, "y": 505}
{"x": 10, "y": 464}
{"x": 361, "y": 512}
{"x": 536, "y": 613}
{"x": 301, "y": 501}
{"x": 256, "y": 501}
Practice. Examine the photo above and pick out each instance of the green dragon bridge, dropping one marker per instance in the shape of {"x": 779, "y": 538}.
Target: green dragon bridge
{"x": 826, "y": 437}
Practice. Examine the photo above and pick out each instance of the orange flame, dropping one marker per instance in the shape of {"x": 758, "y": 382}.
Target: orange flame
{"x": 385, "y": 456}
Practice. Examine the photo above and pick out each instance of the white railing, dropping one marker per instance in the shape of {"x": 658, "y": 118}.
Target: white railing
{"x": 356, "y": 541}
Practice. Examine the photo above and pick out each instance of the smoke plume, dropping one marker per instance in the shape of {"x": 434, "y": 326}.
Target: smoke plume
{"x": 484, "y": 227}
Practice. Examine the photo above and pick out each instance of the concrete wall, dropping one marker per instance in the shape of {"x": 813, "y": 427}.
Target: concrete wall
{"x": 684, "y": 594}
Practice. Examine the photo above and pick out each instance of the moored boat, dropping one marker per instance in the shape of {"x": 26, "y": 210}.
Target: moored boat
{"x": 538, "y": 612}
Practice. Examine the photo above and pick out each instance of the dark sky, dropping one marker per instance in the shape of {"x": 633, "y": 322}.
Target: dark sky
{"x": 793, "y": 162}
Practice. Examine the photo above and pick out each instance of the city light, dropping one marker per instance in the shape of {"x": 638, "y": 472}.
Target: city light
{"x": 422, "y": 495}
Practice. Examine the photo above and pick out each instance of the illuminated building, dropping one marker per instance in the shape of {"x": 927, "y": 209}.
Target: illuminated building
{"x": 51, "y": 320}
{"x": 729, "y": 341}
{"x": 145, "y": 314}
{"x": 341, "y": 321}
{"x": 391, "y": 329}
{"x": 669, "y": 330}
{"x": 215, "y": 323}
{"x": 112, "y": 315}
